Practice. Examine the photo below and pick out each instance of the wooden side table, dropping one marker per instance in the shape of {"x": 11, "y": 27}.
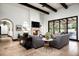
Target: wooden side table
{"x": 47, "y": 41}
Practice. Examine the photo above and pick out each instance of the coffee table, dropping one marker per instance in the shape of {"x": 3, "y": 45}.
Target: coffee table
{"x": 46, "y": 41}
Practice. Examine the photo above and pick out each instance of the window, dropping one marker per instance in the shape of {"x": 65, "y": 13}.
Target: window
{"x": 68, "y": 25}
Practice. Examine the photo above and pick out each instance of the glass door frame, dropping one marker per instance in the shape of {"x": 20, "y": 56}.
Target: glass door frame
{"x": 76, "y": 27}
{"x": 66, "y": 25}
{"x": 49, "y": 26}
{"x": 54, "y": 25}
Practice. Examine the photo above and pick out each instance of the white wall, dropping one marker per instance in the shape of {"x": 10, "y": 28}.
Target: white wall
{"x": 42, "y": 23}
{"x": 34, "y": 16}
{"x": 18, "y": 14}
{"x": 62, "y": 13}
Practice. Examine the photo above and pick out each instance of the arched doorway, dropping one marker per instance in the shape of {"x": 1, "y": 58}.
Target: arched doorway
{"x": 7, "y": 27}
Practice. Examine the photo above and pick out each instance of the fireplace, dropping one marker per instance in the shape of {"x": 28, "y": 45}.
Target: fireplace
{"x": 35, "y": 31}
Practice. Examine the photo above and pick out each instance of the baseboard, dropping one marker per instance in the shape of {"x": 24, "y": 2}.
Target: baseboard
{"x": 15, "y": 39}
{"x": 74, "y": 40}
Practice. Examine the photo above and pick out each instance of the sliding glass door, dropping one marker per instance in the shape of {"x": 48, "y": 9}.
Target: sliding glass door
{"x": 50, "y": 27}
{"x": 72, "y": 28}
{"x": 56, "y": 26}
{"x": 68, "y": 25}
{"x": 63, "y": 25}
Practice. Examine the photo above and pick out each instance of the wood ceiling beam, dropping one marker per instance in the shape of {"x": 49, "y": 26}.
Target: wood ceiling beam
{"x": 33, "y": 7}
{"x": 48, "y": 6}
{"x": 64, "y": 5}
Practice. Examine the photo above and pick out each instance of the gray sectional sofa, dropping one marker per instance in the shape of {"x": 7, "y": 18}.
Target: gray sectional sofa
{"x": 59, "y": 41}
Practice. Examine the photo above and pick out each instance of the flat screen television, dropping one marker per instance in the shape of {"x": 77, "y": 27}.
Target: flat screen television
{"x": 35, "y": 24}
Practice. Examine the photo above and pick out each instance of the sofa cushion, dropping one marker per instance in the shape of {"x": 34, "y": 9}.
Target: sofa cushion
{"x": 37, "y": 41}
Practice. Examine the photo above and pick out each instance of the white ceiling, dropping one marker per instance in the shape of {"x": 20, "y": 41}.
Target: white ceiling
{"x": 54, "y": 5}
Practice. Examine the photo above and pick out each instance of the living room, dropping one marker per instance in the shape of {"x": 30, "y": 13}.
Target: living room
{"x": 33, "y": 19}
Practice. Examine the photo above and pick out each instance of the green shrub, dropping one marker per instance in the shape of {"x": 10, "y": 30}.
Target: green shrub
{"x": 48, "y": 35}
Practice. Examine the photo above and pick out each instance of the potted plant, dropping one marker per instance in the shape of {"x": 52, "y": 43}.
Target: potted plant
{"x": 48, "y": 35}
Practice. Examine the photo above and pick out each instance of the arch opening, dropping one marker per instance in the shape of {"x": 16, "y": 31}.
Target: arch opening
{"x": 7, "y": 27}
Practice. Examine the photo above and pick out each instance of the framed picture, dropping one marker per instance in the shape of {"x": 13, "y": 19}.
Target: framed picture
{"x": 18, "y": 27}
